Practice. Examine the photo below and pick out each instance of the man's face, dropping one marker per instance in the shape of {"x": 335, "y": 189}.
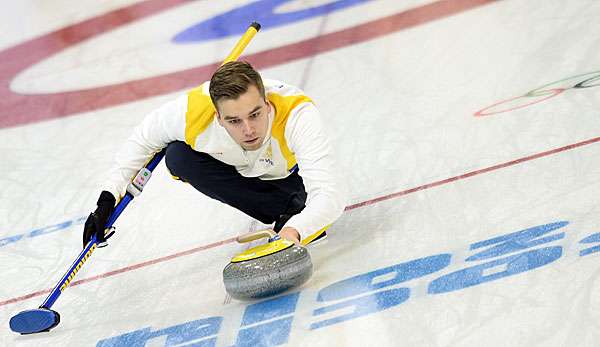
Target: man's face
{"x": 246, "y": 118}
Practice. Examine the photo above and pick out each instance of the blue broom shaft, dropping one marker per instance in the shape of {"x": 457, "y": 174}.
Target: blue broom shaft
{"x": 244, "y": 40}
{"x": 128, "y": 197}
{"x": 91, "y": 246}
{"x": 56, "y": 291}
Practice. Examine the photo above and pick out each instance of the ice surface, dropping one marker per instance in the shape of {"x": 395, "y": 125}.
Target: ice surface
{"x": 406, "y": 264}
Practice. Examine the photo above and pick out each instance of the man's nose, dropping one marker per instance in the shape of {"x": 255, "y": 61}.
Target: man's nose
{"x": 248, "y": 128}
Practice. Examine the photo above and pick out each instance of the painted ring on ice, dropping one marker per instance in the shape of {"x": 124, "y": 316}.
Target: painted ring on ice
{"x": 264, "y": 11}
{"x": 19, "y": 109}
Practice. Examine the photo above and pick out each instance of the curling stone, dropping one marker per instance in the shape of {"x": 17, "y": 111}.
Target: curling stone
{"x": 267, "y": 269}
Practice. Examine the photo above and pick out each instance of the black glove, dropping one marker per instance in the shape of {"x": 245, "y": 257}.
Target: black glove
{"x": 96, "y": 221}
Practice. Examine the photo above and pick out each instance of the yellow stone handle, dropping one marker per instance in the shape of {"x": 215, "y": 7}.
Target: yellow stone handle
{"x": 255, "y": 235}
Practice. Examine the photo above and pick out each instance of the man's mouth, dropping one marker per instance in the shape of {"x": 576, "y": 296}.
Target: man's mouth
{"x": 251, "y": 141}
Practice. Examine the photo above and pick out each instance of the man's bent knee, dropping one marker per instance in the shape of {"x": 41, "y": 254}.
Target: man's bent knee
{"x": 175, "y": 157}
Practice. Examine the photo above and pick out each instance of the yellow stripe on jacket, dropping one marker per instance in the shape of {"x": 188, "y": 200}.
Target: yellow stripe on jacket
{"x": 201, "y": 113}
{"x": 283, "y": 108}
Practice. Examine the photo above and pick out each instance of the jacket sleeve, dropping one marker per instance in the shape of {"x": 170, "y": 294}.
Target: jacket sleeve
{"x": 324, "y": 185}
{"x": 160, "y": 127}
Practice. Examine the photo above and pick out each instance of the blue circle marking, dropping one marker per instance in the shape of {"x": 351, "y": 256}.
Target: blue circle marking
{"x": 236, "y": 21}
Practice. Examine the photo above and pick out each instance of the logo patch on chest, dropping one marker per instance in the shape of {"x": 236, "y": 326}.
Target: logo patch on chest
{"x": 267, "y": 158}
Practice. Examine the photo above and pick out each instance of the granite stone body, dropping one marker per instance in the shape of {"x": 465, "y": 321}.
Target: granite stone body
{"x": 268, "y": 275}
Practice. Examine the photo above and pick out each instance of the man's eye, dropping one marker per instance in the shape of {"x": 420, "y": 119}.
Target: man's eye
{"x": 254, "y": 115}
{"x": 234, "y": 121}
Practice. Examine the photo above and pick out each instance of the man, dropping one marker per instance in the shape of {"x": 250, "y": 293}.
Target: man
{"x": 261, "y": 150}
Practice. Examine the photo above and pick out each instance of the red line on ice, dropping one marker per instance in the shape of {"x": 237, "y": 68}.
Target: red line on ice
{"x": 124, "y": 269}
{"x": 348, "y": 208}
{"x": 472, "y": 173}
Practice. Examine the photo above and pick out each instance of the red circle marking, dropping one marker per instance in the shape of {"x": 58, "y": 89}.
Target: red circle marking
{"x": 18, "y": 109}
{"x": 553, "y": 93}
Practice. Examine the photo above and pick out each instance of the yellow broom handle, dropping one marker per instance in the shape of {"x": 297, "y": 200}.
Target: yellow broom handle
{"x": 242, "y": 43}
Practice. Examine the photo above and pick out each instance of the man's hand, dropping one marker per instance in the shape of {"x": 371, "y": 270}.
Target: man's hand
{"x": 97, "y": 220}
{"x": 290, "y": 234}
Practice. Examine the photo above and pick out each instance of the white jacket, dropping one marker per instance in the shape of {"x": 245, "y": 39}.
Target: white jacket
{"x": 296, "y": 137}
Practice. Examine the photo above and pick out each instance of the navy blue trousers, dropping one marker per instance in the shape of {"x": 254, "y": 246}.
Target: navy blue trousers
{"x": 269, "y": 201}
